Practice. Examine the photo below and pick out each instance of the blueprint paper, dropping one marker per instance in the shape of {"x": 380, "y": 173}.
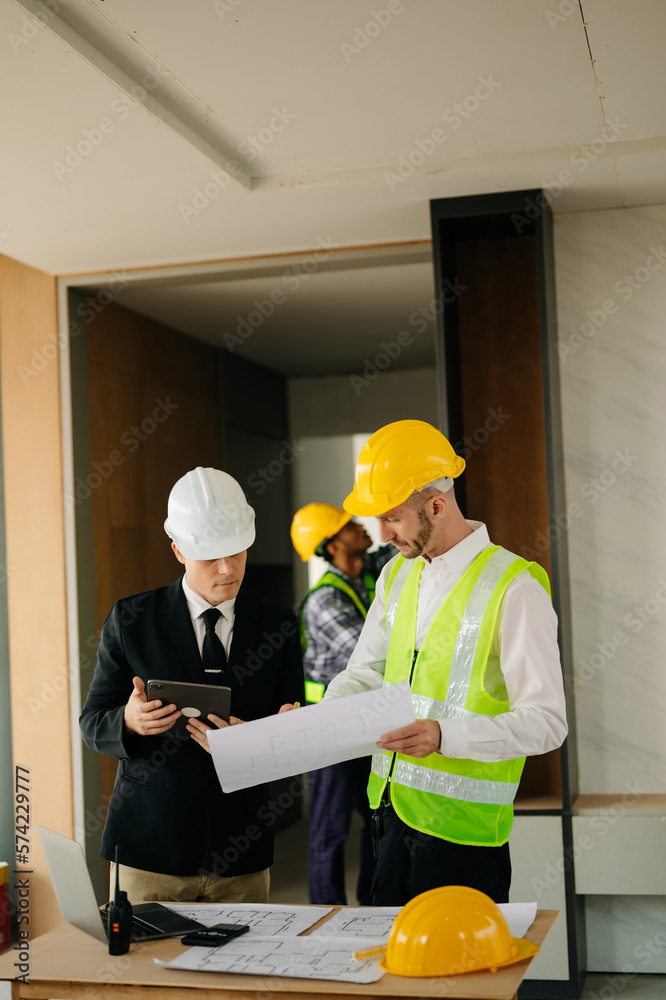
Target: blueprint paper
{"x": 308, "y": 738}
{"x": 265, "y": 920}
{"x": 302, "y": 958}
{"x": 376, "y": 921}
{"x": 355, "y": 922}
{"x": 327, "y": 953}
{"x": 519, "y": 917}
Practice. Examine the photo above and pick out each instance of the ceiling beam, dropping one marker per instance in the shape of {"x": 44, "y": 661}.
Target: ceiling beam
{"x": 215, "y": 149}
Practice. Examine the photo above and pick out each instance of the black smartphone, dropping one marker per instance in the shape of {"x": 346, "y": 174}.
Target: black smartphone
{"x": 213, "y": 937}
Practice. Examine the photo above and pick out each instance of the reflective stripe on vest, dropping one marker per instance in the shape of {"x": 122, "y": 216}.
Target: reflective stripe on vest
{"x": 470, "y": 629}
{"x": 454, "y": 786}
{"x": 396, "y": 581}
{"x": 479, "y": 794}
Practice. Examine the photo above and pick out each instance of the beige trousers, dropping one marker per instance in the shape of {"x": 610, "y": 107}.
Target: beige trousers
{"x": 141, "y": 885}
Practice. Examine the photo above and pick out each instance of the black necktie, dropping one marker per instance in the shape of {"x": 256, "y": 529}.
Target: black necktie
{"x": 213, "y": 654}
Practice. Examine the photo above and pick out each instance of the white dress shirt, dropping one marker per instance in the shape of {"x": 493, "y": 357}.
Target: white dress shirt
{"x": 224, "y": 626}
{"x": 525, "y": 642}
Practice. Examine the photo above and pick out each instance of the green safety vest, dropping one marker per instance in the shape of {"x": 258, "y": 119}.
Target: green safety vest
{"x": 314, "y": 690}
{"x": 464, "y": 801}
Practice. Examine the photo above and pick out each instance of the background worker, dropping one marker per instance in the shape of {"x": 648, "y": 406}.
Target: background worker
{"x": 473, "y": 629}
{"x": 179, "y": 837}
{"x": 332, "y": 616}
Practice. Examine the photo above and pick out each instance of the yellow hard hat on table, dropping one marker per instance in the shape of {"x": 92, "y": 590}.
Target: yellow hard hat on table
{"x": 315, "y": 523}
{"x": 397, "y": 460}
{"x": 451, "y": 930}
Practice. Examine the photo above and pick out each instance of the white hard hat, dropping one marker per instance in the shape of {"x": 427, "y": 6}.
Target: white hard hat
{"x": 209, "y": 517}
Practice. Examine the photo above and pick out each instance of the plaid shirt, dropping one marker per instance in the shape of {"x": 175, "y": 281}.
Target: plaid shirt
{"x": 332, "y": 623}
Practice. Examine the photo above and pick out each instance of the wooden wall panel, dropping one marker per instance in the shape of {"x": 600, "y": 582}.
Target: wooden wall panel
{"x": 502, "y": 396}
{"x": 153, "y": 416}
{"x": 29, "y": 362}
{"x": 503, "y": 415}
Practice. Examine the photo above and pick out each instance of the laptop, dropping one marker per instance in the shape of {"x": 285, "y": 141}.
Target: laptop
{"x": 78, "y": 906}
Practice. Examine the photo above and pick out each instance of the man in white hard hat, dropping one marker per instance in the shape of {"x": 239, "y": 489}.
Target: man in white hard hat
{"x": 179, "y": 837}
{"x": 331, "y": 618}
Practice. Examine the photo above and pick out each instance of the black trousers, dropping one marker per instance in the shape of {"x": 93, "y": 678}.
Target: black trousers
{"x": 410, "y": 862}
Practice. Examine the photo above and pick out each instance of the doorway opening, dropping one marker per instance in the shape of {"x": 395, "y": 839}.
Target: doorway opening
{"x": 265, "y": 368}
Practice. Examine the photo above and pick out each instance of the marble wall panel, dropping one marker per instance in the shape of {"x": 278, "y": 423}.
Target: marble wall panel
{"x": 625, "y": 934}
{"x": 611, "y": 300}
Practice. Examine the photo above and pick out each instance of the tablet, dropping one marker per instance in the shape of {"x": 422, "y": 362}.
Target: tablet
{"x": 195, "y": 701}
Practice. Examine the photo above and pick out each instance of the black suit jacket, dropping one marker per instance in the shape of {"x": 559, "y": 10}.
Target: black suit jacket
{"x": 168, "y": 812}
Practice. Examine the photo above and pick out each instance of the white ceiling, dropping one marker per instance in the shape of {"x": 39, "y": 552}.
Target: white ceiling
{"x": 211, "y": 74}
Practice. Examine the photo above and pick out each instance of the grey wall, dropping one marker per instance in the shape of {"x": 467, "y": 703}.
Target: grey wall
{"x": 348, "y": 404}
{"x": 610, "y": 271}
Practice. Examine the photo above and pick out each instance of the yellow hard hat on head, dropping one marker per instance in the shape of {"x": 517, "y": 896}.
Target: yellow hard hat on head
{"x": 313, "y": 524}
{"x": 395, "y": 461}
{"x": 451, "y": 930}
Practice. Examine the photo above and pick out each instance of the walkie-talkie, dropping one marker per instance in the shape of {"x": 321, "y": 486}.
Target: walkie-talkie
{"x": 119, "y": 920}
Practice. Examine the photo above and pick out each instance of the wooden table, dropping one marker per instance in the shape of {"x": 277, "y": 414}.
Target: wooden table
{"x": 67, "y": 964}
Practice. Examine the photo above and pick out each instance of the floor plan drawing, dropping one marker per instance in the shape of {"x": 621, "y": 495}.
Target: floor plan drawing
{"x": 264, "y": 920}
{"x": 360, "y": 922}
{"x": 300, "y": 958}
{"x": 312, "y": 737}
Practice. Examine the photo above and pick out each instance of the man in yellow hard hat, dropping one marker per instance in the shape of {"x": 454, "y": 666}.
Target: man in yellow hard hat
{"x": 331, "y": 618}
{"x": 472, "y": 627}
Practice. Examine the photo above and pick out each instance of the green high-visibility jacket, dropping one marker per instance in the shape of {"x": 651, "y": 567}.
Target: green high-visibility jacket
{"x": 465, "y": 801}
{"x": 315, "y": 690}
